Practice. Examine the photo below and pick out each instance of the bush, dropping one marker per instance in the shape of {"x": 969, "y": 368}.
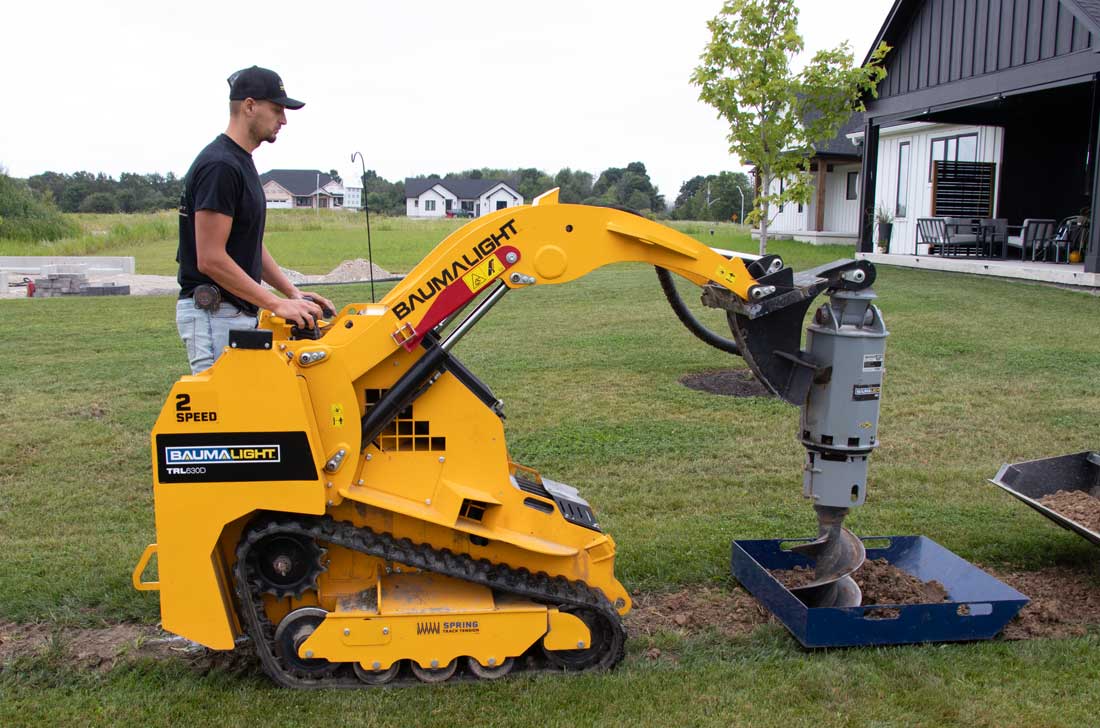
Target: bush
{"x": 29, "y": 216}
{"x": 99, "y": 202}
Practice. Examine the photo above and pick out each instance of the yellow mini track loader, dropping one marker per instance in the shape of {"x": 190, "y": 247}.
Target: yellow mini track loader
{"x": 345, "y": 496}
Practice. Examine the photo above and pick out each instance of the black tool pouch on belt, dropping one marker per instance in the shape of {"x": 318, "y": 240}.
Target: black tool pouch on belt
{"x": 207, "y": 297}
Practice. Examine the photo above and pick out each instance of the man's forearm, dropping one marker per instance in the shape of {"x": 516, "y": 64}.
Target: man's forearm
{"x": 224, "y": 271}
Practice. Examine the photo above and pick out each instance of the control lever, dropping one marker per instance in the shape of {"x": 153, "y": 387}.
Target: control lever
{"x": 297, "y": 332}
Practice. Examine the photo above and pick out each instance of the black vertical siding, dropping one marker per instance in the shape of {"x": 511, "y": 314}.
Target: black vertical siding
{"x": 949, "y": 40}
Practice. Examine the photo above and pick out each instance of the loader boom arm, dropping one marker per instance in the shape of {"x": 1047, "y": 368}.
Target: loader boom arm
{"x": 546, "y": 243}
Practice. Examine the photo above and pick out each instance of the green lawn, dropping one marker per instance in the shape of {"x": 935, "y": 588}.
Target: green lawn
{"x": 979, "y": 372}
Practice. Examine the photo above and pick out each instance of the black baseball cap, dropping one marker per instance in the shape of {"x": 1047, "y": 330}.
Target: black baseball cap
{"x": 261, "y": 84}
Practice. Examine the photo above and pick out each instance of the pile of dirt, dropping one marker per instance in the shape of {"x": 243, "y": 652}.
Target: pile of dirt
{"x": 729, "y": 382}
{"x": 696, "y": 609}
{"x": 1076, "y": 505}
{"x": 104, "y": 647}
{"x": 1064, "y": 602}
{"x": 880, "y": 581}
{"x": 355, "y": 270}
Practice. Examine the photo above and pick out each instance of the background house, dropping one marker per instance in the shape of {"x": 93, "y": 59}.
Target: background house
{"x": 434, "y": 197}
{"x": 303, "y": 188}
{"x": 1006, "y": 82}
{"x": 832, "y": 215}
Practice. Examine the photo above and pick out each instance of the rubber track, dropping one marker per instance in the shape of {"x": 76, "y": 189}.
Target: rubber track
{"x": 558, "y": 591}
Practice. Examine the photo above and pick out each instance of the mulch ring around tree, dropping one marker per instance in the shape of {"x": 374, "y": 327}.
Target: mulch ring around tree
{"x": 728, "y": 382}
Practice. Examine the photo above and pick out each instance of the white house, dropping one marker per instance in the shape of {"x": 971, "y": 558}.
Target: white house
{"x": 353, "y": 197}
{"x": 903, "y": 186}
{"x": 302, "y": 188}
{"x": 832, "y": 214}
{"x": 462, "y": 197}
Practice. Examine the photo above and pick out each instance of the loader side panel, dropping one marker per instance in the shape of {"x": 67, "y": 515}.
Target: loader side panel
{"x": 235, "y": 439}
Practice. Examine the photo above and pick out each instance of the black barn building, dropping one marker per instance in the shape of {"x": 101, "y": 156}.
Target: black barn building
{"x": 1030, "y": 67}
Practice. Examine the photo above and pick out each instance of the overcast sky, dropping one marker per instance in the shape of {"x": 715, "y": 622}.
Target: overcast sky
{"x": 427, "y": 87}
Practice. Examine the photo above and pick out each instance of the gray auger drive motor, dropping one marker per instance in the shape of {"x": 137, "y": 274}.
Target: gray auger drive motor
{"x": 836, "y": 380}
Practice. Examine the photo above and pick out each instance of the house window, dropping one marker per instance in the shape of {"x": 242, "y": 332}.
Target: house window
{"x": 429, "y": 205}
{"x": 416, "y": 203}
{"x": 901, "y": 208}
{"x": 467, "y": 205}
{"x": 781, "y": 192}
{"x": 959, "y": 148}
{"x": 501, "y": 204}
{"x": 800, "y": 207}
{"x": 448, "y": 204}
{"x": 337, "y": 201}
{"x": 303, "y": 202}
{"x": 852, "y": 192}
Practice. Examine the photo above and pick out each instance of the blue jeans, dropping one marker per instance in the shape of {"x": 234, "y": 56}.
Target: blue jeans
{"x": 206, "y": 333}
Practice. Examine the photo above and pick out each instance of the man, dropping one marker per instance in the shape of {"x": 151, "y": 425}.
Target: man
{"x": 221, "y": 253}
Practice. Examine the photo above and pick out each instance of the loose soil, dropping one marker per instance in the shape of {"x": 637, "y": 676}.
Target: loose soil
{"x": 1076, "y": 505}
{"x": 102, "y": 648}
{"x": 881, "y": 583}
{"x": 729, "y": 382}
{"x": 1064, "y": 603}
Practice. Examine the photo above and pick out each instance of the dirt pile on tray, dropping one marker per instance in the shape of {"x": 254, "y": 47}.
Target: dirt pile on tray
{"x": 880, "y": 581}
{"x": 729, "y": 382}
{"x": 884, "y": 583}
{"x": 1076, "y": 505}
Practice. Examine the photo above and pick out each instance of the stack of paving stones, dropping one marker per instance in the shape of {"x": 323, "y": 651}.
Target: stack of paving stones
{"x": 70, "y": 283}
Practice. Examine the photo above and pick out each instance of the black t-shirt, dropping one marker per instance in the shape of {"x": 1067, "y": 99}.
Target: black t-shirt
{"x": 223, "y": 178}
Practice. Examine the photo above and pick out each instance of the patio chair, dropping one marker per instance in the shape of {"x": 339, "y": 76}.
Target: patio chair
{"x": 932, "y": 231}
{"x": 963, "y": 234}
{"x": 1068, "y": 237}
{"x": 995, "y": 236}
{"x": 1035, "y": 235}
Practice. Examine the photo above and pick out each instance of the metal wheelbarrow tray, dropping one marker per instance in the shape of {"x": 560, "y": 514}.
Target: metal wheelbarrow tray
{"x": 980, "y": 605}
{"x": 1031, "y": 480}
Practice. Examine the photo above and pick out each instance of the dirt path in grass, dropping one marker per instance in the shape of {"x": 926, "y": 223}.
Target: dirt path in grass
{"x": 1064, "y": 603}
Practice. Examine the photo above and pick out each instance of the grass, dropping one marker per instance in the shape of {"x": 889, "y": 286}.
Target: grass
{"x": 979, "y": 372}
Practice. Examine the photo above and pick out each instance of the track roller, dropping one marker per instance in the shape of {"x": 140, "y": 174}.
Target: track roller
{"x": 492, "y": 672}
{"x": 372, "y": 676}
{"x": 434, "y": 674}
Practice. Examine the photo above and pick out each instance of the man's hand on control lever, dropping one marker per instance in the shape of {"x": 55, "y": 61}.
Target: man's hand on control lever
{"x": 328, "y": 310}
{"x": 301, "y": 312}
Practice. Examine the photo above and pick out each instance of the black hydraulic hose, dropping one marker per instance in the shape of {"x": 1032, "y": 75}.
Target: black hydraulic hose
{"x": 687, "y": 318}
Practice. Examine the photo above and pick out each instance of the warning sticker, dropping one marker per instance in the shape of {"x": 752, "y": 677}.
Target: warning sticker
{"x": 337, "y": 412}
{"x": 872, "y": 362}
{"x": 863, "y": 392}
{"x": 480, "y": 276}
{"x": 725, "y": 275}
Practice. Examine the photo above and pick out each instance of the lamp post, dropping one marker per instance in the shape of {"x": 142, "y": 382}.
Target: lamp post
{"x": 366, "y": 211}
{"x": 740, "y": 192}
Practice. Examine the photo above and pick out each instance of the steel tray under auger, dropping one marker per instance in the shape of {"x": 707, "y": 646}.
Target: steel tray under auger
{"x": 980, "y": 605}
{"x": 1031, "y": 480}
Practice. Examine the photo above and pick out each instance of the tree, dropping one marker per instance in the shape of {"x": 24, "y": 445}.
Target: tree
{"x": 99, "y": 202}
{"x": 335, "y": 176}
{"x": 776, "y": 115}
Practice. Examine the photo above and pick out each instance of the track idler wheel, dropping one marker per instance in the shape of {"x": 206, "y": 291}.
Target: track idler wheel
{"x": 376, "y": 677}
{"x": 293, "y": 630}
{"x": 287, "y": 565}
{"x": 434, "y": 674}
{"x": 492, "y": 672}
{"x": 602, "y": 644}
